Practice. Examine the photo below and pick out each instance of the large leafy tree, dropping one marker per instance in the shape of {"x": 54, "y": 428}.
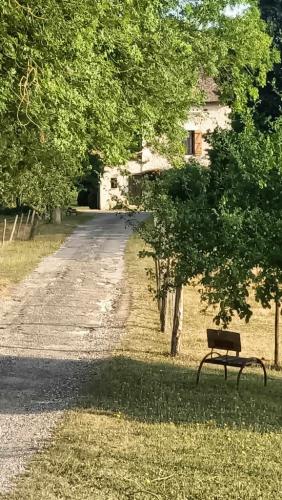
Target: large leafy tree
{"x": 269, "y": 105}
{"x": 246, "y": 193}
{"x": 222, "y": 226}
{"x": 83, "y": 76}
{"x": 181, "y": 238}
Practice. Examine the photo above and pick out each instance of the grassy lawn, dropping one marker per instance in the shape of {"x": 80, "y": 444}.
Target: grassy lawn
{"x": 143, "y": 430}
{"x": 19, "y": 258}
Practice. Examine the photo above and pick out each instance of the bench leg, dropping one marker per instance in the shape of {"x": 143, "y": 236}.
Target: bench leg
{"x": 199, "y": 371}
{"x": 264, "y": 372}
{"x": 259, "y": 361}
{"x": 239, "y": 375}
{"x": 200, "y": 367}
{"x": 225, "y": 372}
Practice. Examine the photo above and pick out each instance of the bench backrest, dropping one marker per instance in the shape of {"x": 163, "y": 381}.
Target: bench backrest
{"x": 222, "y": 339}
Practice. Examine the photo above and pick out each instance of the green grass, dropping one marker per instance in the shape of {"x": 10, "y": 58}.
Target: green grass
{"x": 19, "y": 258}
{"x": 143, "y": 430}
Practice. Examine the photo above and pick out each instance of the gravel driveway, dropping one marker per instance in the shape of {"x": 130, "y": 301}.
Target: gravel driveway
{"x": 68, "y": 312}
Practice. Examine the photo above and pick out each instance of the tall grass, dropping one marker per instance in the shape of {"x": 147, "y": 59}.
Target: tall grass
{"x": 20, "y": 257}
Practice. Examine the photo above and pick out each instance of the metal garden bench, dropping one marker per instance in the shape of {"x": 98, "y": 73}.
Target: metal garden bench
{"x": 228, "y": 341}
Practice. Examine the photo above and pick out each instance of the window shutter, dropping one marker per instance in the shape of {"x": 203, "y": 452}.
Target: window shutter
{"x": 198, "y": 143}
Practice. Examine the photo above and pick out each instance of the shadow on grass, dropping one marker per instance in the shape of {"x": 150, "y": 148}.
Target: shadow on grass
{"x": 164, "y": 392}
{"x": 142, "y": 391}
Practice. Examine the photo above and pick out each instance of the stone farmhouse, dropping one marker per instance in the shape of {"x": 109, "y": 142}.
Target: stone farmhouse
{"x": 118, "y": 182}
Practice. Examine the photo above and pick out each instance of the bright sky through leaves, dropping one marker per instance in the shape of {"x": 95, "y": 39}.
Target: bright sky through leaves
{"x": 235, "y": 11}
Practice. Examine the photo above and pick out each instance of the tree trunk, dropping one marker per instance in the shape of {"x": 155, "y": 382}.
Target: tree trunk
{"x": 169, "y": 310}
{"x": 26, "y": 224}
{"x": 163, "y": 315}
{"x": 277, "y": 336}
{"x": 56, "y": 215}
{"x": 158, "y": 281}
{"x": 177, "y": 322}
{"x": 164, "y": 298}
{"x": 20, "y": 226}
{"x": 32, "y": 217}
{"x": 34, "y": 227}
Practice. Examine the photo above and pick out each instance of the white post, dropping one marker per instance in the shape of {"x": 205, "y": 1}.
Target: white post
{"x": 14, "y": 227}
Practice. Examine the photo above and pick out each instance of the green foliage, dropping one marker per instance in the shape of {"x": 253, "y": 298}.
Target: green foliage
{"x": 270, "y": 96}
{"x": 222, "y": 225}
{"x": 82, "y": 76}
{"x": 178, "y": 204}
{"x": 246, "y": 192}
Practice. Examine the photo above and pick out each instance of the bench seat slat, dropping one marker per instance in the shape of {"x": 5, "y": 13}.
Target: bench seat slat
{"x": 231, "y": 361}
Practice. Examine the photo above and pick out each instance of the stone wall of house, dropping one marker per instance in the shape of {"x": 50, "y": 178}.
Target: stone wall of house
{"x": 207, "y": 119}
{"x": 114, "y": 183}
{"x": 110, "y": 196}
{"x": 113, "y": 187}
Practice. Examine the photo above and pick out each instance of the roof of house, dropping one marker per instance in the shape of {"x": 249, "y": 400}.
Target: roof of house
{"x": 210, "y": 88}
